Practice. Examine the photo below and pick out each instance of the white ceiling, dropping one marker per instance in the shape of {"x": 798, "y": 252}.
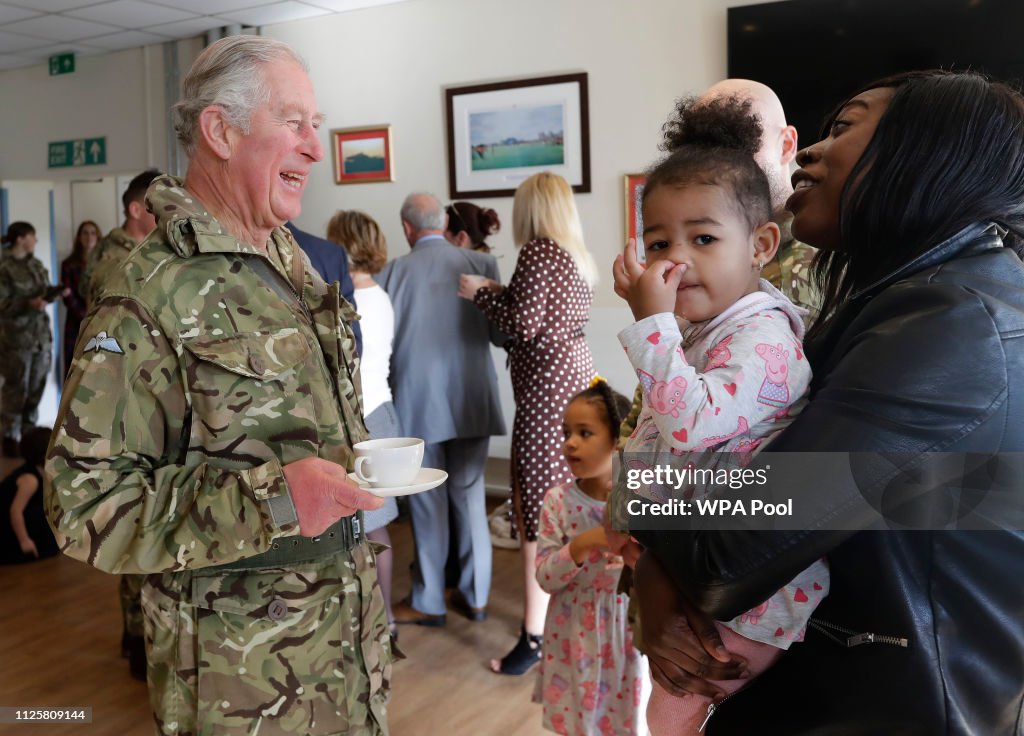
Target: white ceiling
{"x": 33, "y": 30}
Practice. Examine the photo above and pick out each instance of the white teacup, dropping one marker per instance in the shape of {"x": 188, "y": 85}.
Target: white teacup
{"x": 389, "y": 462}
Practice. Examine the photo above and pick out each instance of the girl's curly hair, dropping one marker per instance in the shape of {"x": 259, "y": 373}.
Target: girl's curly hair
{"x": 714, "y": 142}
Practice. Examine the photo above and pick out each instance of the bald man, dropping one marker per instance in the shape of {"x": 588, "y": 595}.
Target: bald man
{"x": 790, "y": 270}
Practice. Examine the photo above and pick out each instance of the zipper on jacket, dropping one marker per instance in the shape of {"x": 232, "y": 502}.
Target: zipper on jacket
{"x": 854, "y": 638}
{"x": 712, "y": 707}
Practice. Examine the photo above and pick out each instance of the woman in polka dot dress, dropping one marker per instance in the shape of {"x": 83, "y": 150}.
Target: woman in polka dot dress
{"x": 544, "y": 308}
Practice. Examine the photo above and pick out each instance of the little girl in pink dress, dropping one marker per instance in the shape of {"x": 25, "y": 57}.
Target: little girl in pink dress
{"x": 591, "y": 677}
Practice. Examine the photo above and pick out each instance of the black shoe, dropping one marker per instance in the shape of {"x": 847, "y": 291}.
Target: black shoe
{"x": 10, "y": 447}
{"x": 460, "y": 604}
{"x": 524, "y": 655}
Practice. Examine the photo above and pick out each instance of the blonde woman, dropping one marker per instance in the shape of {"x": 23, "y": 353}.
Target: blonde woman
{"x": 544, "y": 309}
{"x": 360, "y": 236}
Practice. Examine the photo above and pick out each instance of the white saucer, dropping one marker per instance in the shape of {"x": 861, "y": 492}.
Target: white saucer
{"x": 426, "y": 478}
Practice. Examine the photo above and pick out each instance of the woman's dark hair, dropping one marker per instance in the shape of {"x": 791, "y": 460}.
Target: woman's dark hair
{"x": 948, "y": 151}
{"x": 478, "y": 223}
{"x": 17, "y": 230}
{"x": 34, "y": 441}
{"x": 614, "y": 406}
{"x": 714, "y": 142}
{"x": 78, "y": 250}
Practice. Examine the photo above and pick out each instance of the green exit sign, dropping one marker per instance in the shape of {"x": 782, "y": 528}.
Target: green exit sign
{"x": 62, "y": 64}
{"x": 81, "y": 152}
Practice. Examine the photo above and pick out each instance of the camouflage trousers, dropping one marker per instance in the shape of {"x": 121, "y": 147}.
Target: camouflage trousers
{"x": 24, "y": 382}
{"x": 297, "y": 650}
{"x": 130, "y": 590}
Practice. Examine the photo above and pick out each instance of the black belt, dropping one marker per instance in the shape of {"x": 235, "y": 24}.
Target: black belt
{"x": 345, "y": 534}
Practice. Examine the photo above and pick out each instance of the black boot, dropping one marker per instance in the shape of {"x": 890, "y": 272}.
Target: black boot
{"x": 524, "y": 655}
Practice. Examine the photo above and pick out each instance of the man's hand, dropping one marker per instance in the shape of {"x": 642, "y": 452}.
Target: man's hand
{"x": 37, "y": 302}
{"x": 322, "y": 494}
{"x": 681, "y": 642}
{"x": 621, "y": 544}
{"x": 471, "y": 283}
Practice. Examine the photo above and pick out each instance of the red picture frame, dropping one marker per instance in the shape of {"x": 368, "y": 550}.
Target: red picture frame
{"x": 362, "y": 155}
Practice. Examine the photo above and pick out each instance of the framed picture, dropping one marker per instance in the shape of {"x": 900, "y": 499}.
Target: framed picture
{"x": 502, "y": 133}
{"x": 634, "y": 215}
{"x": 362, "y": 155}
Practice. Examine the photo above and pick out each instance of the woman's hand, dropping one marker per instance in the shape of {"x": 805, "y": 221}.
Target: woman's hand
{"x": 471, "y": 283}
{"x": 680, "y": 641}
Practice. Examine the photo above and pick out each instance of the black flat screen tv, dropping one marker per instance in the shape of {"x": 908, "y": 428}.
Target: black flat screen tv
{"x": 814, "y": 53}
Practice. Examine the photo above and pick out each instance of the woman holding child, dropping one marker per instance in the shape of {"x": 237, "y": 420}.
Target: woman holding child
{"x": 916, "y": 197}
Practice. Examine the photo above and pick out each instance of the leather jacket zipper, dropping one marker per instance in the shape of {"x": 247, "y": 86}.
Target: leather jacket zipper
{"x": 855, "y": 638}
{"x": 712, "y": 707}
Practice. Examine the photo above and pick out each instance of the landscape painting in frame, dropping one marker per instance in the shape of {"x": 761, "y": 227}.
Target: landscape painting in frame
{"x": 362, "y": 155}
{"x": 499, "y": 134}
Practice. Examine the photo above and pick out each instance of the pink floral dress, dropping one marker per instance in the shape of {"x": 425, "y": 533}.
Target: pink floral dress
{"x": 591, "y": 676}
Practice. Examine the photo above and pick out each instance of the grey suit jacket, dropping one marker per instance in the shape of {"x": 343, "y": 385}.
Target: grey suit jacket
{"x": 442, "y": 377}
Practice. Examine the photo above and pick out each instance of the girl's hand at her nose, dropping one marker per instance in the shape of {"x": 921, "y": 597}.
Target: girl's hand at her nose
{"x": 654, "y": 292}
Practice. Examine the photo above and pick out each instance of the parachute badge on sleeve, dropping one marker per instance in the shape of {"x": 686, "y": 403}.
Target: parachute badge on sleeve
{"x": 102, "y": 341}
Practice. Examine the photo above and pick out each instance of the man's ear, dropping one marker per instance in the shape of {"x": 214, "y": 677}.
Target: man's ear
{"x": 136, "y": 210}
{"x": 790, "y": 144}
{"x": 216, "y": 131}
{"x": 766, "y": 243}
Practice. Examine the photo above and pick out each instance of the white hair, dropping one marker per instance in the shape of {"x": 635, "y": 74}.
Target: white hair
{"x": 228, "y": 74}
{"x": 423, "y": 211}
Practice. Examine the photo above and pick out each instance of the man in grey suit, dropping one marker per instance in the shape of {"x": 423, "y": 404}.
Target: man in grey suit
{"x": 446, "y": 390}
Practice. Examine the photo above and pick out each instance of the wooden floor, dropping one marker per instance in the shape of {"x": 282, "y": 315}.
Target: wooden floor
{"x": 60, "y": 629}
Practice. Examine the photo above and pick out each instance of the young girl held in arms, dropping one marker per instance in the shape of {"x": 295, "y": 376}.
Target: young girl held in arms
{"x": 717, "y": 350}
{"x": 590, "y": 674}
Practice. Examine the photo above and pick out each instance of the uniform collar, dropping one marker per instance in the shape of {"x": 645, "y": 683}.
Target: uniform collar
{"x": 189, "y": 227}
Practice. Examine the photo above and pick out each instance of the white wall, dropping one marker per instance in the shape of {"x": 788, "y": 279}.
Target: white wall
{"x": 118, "y": 95}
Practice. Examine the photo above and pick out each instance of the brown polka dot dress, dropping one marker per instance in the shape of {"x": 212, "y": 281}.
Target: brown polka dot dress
{"x": 544, "y": 308}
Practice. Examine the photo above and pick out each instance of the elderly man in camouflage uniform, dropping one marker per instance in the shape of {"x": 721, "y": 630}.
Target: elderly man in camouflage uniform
{"x": 790, "y": 270}
{"x": 207, "y": 427}
{"x": 108, "y": 254}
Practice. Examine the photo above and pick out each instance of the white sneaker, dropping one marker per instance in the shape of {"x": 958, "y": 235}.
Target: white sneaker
{"x": 501, "y": 529}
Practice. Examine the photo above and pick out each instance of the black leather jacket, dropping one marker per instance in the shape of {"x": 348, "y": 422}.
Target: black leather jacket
{"x": 931, "y": 359}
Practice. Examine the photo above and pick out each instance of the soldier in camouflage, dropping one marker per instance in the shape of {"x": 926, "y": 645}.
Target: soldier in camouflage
{"x": 111, "y": 251}
{"x": 790, "y": 270}
{"x": 103, "y": 263}
{"x": 206, "y": 430}
{"x": 26, "y": 342}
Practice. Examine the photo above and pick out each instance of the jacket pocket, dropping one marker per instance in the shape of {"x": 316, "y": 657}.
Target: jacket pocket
{"x": 253, "y": 396}
{"x": 270, "y": 651}
{"x": 262, "y": 355}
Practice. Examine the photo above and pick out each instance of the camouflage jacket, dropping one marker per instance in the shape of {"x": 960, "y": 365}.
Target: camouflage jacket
{"x": 790, "y": 273}
{"x": 103, "y": 261}
{"x": 22, "y": 326}
{"x": 195, "y": 380}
